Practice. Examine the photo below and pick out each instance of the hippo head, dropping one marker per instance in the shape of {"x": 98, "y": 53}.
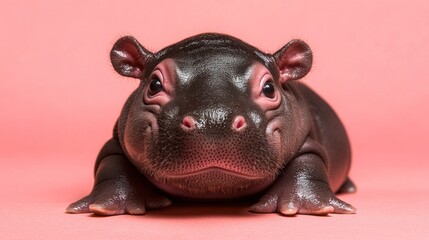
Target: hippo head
{"x": 213, "y": 117}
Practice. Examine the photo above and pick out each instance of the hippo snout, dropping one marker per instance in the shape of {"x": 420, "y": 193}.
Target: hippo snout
{"x": 189, "y": 123}
{"x": 214, "y": 121}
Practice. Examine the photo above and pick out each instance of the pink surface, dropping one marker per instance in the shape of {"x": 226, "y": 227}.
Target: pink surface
{"x": 59, "y": 99}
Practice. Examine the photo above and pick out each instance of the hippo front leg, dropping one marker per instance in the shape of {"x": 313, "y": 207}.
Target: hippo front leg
{"x": 303, "y": 188}
{"x": 119, "y": 188}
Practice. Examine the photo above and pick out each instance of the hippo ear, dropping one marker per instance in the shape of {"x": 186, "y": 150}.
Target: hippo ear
{"x": 293, "y": 60}
{"x": 129, "y": 57}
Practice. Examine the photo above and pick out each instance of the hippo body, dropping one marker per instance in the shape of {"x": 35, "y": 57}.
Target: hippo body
{"x": 216, "y": 119}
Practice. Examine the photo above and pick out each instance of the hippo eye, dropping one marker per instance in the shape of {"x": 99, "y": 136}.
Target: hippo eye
{"x": 268, "y": 89}
{"x": 155, "y": 86}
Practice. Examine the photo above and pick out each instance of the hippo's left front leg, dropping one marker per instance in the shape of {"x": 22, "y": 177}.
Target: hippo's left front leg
{"x": 302, "y": 188}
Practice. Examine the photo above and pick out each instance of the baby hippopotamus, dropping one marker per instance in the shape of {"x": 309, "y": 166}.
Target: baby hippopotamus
{"x": 216, "y": 119}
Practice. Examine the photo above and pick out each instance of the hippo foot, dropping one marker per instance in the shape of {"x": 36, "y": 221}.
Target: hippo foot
{"x": 306, "y": 197}
{"x": 303, "y": 188}
{"x": 118, "y": 189}
{"x": 118, "y": 196}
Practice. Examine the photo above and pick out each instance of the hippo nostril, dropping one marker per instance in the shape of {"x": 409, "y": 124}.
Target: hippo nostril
{"x": 239, "y": 123}
{"x": 188, "y": 123}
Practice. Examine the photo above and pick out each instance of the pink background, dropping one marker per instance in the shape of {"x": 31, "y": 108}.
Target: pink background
{"x": 60, "y": 97}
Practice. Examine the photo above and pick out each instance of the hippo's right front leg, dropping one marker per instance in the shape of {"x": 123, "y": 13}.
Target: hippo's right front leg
{"x": 119, "y": 188}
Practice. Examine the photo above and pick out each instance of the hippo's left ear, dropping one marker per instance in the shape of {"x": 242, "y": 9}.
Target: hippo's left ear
{"x": 293, "y": 60}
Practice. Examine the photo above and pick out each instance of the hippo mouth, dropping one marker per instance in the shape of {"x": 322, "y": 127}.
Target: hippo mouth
{"x": 215, "y": 170}
{"x": 212, "y": 183}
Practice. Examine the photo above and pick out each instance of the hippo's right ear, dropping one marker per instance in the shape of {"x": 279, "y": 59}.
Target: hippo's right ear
{"x": 129, "y": 57}
{"x": 293, "y": 60}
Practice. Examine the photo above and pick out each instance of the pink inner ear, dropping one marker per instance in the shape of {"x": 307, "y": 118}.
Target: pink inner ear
{"x": 132, "y": 59}
{"x": 289, "y": 67}
{"x": 129, "y": 64}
